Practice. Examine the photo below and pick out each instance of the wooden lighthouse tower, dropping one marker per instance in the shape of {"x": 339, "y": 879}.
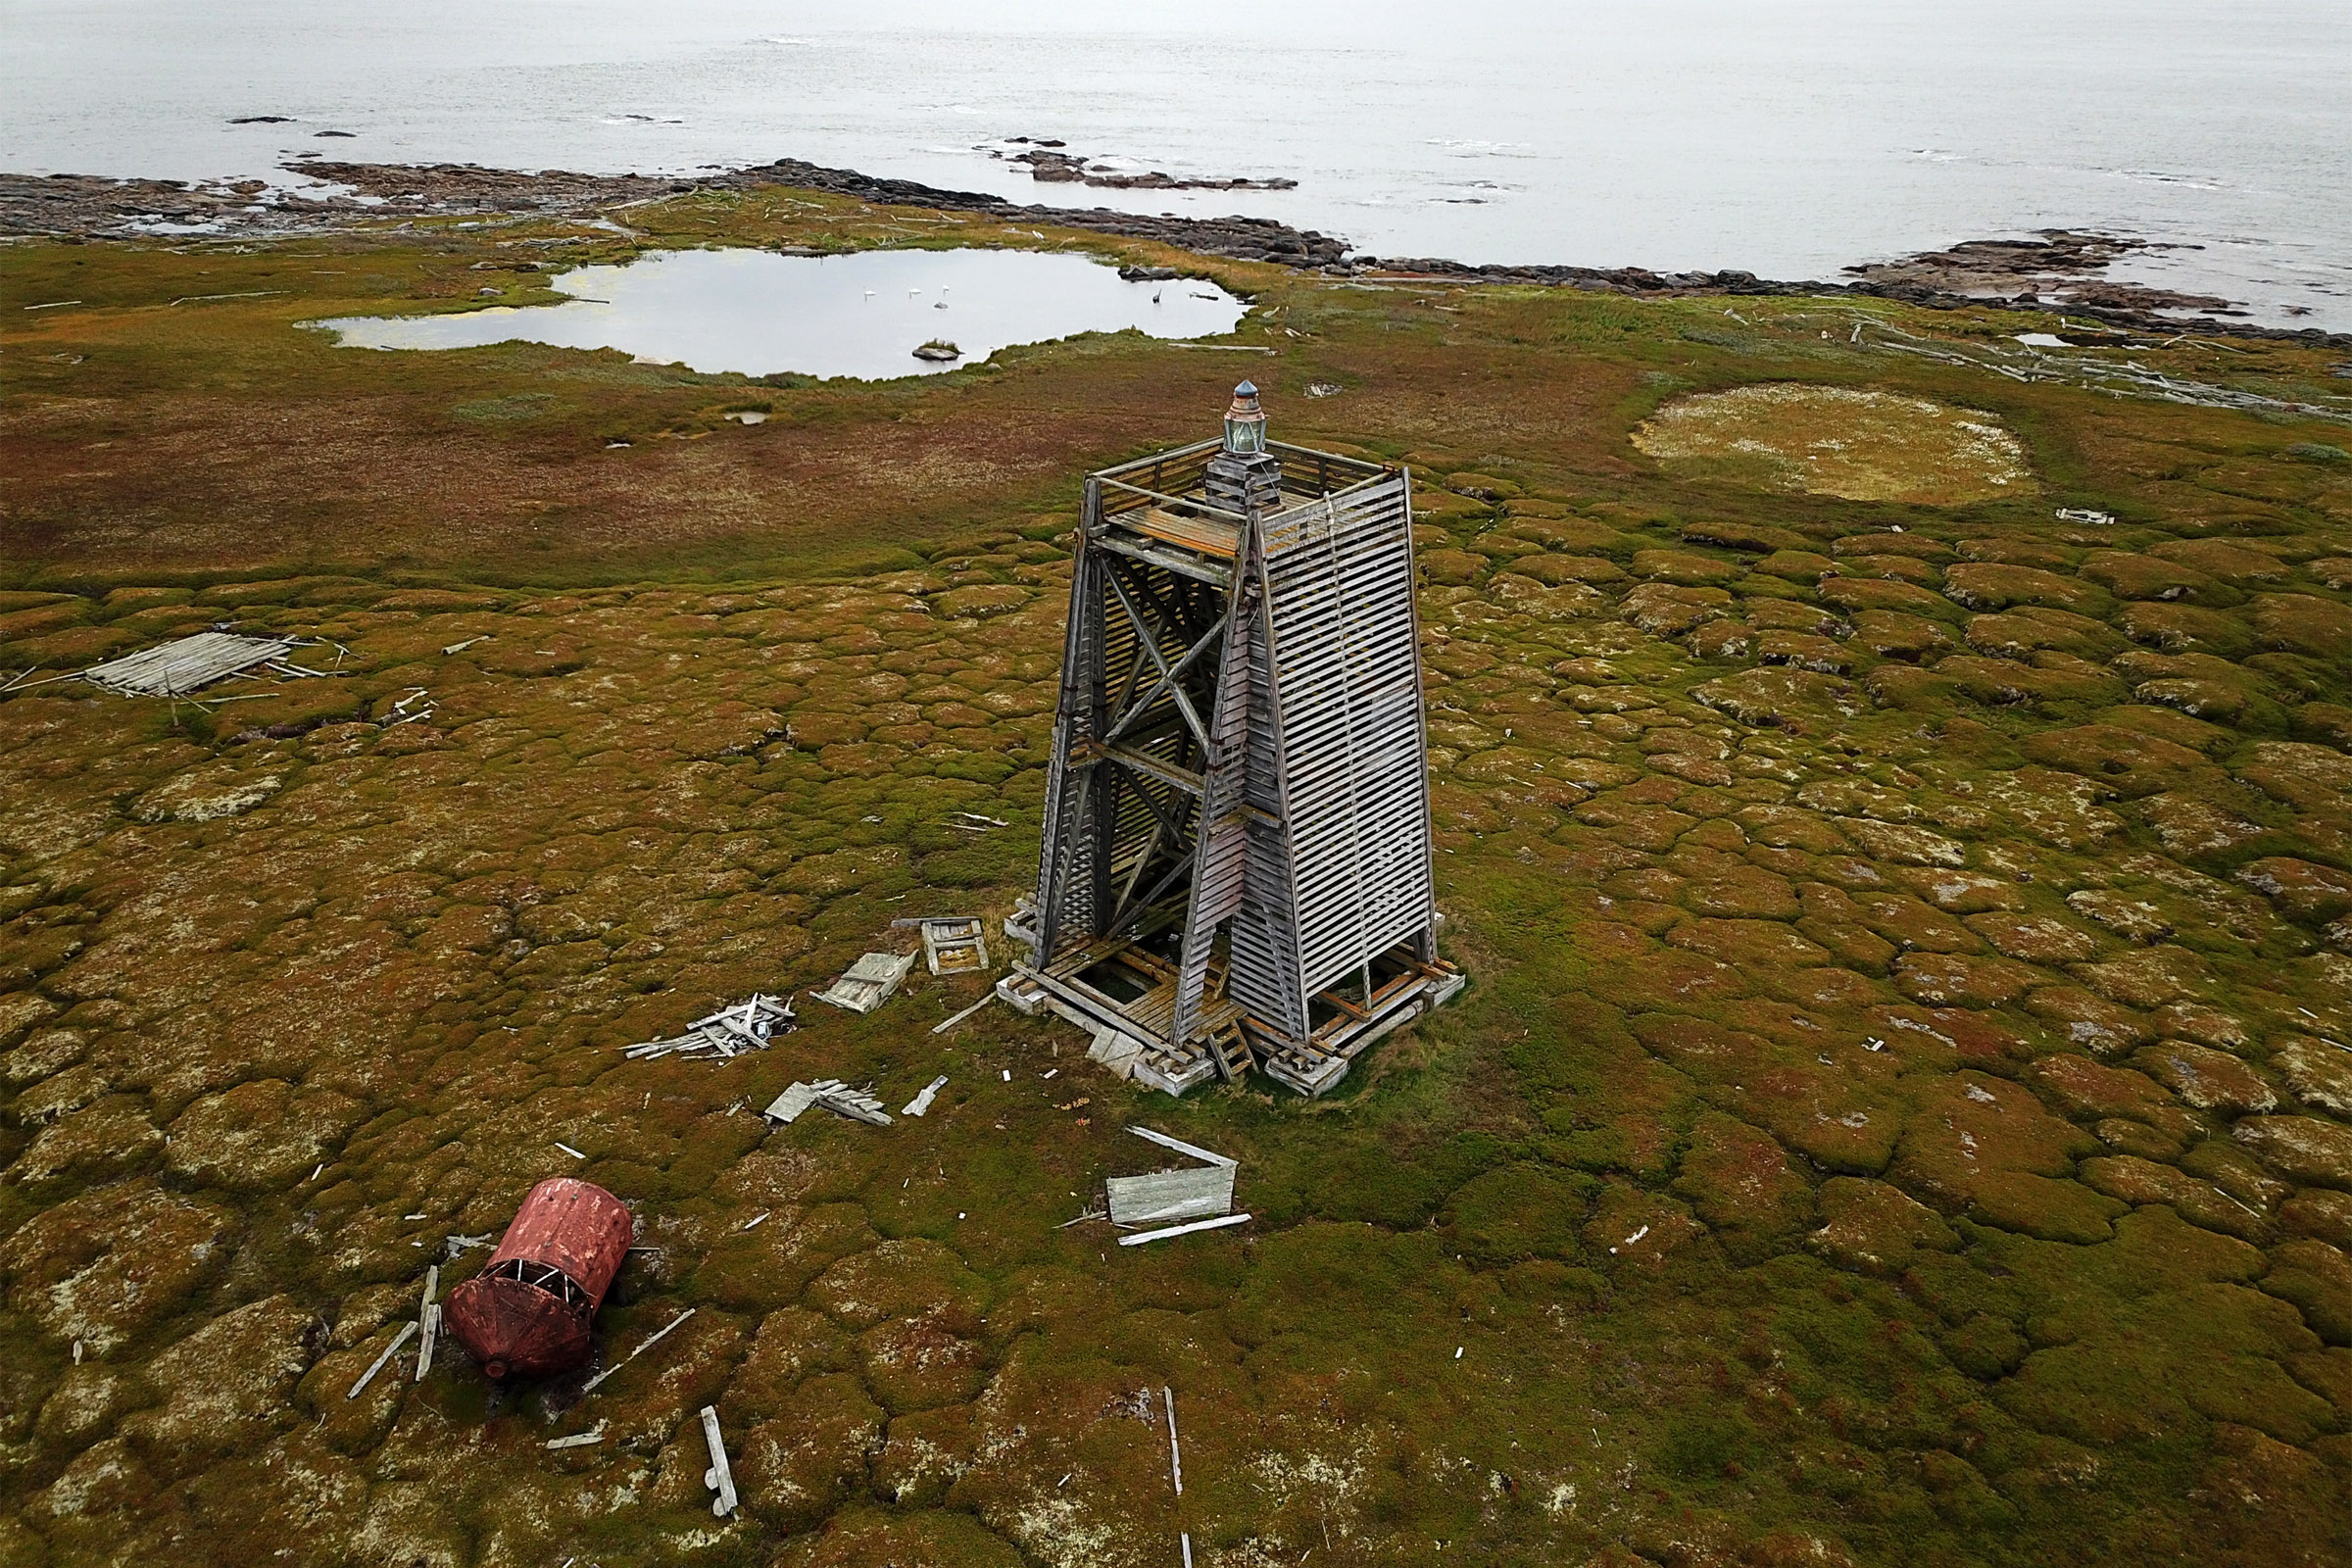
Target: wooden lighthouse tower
{"x": 1236, "y": 864}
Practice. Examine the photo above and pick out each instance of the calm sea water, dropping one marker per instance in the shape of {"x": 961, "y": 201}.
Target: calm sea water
{"x": 1787, "y": 137}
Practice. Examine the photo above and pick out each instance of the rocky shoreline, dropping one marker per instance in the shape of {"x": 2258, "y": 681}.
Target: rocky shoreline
{"x": 2057, "y": 272}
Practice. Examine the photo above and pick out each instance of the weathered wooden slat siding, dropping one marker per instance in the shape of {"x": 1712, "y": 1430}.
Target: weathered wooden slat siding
{"x": 1170, "y": 1194}
{"x": 186, "y": 664}
{"x": 1239, "y": 754}
{"x": 1346, "y": 684}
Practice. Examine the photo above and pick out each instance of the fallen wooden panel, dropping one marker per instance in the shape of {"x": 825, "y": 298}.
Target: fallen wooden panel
{"x": 1172, "y": 1195}
{"x": 869, "y": 981}
{"x": 788, "y": 1106}
{"x": 186, "y": 664}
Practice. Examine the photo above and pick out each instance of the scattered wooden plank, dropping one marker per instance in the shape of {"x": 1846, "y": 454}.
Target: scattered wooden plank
{"x": 948, "y": 1023}
{"x": 579, "y": 1440}
{"x": 431, "y": 1319}
{"x": 1222, "y": 1220}
{"x": 720, "y": 1477}
{"x": 1175, "y": 1453}
{"x": 390, "y": 1350}
{"x": 1182, "y": 1148}
{"x": 648, "y": 1344}
{"x": 921, "y": 1102}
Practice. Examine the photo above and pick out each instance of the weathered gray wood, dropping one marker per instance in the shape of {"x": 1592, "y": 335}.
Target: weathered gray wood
{"x": 1238, "y": 753}
{"x": 720, "y": 1477}
{"x": 1183, "y": 1147}
{"x": 920, "y": 1105}
{"x": 1175, "y": 1453}
{"x": 648, "y": 1343}
{"x": 1169, "y": 1195}
{"x": 377, "y": 1366}
{"x": 869, "y": 982}
{"x": 187, "y": 663}
{"x": 788, "y": 1106}
{"x": 1219, "y": 1223}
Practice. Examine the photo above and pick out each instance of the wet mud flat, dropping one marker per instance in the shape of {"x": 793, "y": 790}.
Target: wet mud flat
{"x": 1901, "y": 1112}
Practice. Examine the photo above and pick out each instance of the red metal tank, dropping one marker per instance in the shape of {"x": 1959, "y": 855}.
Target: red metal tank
{"x": 527, "y": 1311}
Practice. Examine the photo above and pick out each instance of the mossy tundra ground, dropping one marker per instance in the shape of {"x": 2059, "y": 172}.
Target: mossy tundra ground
{"x": 1902, "y": 1111}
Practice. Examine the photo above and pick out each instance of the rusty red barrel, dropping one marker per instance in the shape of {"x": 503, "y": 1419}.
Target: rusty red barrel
{"x": 527, "y": 1310}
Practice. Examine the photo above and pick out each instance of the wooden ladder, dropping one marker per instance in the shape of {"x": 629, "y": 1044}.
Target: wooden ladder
{"x": 1231, "y": 1052}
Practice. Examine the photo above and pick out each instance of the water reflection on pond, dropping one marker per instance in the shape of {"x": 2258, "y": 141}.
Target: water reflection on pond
{"x": 861, "y": 314}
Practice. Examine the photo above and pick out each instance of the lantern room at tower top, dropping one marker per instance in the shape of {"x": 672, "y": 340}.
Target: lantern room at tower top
{"x": 1236, "y": 867}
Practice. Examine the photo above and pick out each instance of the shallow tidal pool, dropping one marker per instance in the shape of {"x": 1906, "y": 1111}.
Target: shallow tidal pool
{"x": 863, "y": 315}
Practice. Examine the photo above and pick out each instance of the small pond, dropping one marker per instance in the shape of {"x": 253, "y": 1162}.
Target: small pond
{"x": 862, "y": 314}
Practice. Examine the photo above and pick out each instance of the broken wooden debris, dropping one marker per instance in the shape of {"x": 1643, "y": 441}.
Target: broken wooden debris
{"x": 719, "y": 1478}
{"x": 869, "y": 981}
{"x": 377, "y": 1366}
{"x": 579, "y": 1440}
{"x": 1219, "y": 1223}
{"x": 1172, "y": 1195}
{"x": 835, "y": 1095}
{"x": 953, "y": 944}
{"x": 648, "y": 1343}
{"x": 749, "y": 1025}
{"x": 978, "y": 822}
{"x": 459, "y": 648}
{"x": 921, "y": 1102}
